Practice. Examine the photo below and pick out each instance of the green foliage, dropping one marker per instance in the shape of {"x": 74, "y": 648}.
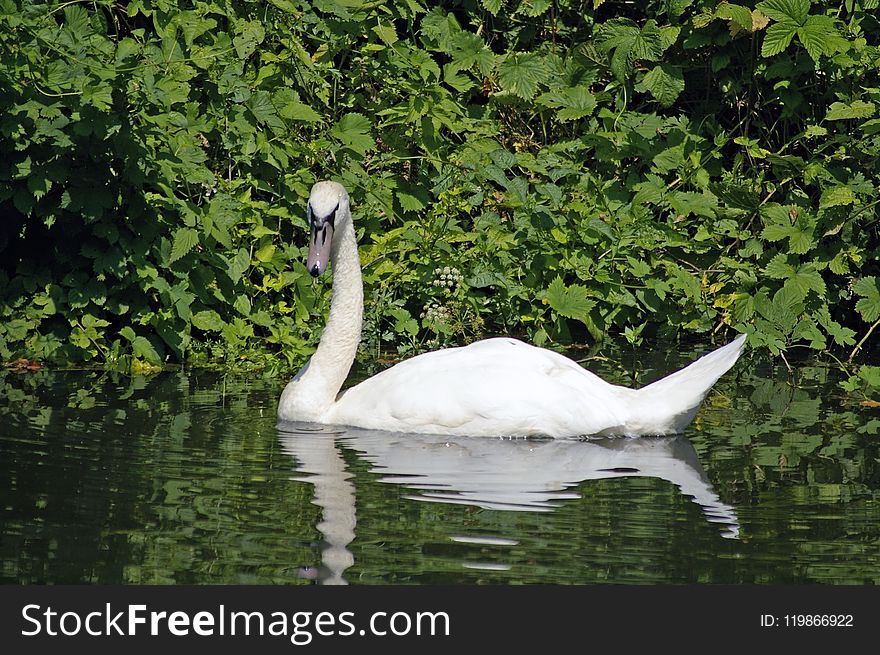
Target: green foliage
{"x": 587, "y": 169}
{"x": 866, "y": 379}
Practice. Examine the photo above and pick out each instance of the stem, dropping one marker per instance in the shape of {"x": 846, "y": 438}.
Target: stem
{"x": 862, "y": 342}
{"x": 101, "y": 349}
{"x": 787, "y": 365}
{"x": 842, "y": 365}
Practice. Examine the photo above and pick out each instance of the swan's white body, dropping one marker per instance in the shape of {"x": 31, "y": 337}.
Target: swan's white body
{"x": 496, "y": 387}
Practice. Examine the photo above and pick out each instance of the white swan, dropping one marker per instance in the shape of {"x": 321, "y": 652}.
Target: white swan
{"x": 495, "y": 387}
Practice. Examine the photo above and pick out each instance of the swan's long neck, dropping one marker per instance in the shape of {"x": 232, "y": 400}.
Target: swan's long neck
{"x": 313, "y": 391}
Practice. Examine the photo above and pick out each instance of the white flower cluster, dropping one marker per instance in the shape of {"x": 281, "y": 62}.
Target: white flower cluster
{"x": 436, "y": 313}
{"x": 210, "y": 189}
{"x": 448, "y": 276}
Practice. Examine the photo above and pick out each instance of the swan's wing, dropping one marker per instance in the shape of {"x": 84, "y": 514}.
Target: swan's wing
{"x": 492, "y": 387}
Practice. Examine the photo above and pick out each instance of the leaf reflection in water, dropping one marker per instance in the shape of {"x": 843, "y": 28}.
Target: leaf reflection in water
{"x": 497, "y": 474}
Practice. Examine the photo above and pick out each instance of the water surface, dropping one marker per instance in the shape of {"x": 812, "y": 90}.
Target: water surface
{"x": 188, "y": 478}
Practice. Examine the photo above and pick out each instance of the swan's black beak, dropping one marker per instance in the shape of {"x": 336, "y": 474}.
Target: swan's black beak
{"x": 319, "y": 248}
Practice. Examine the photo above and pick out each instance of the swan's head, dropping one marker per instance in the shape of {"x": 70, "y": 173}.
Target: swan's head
{"x": 327, "y": 201}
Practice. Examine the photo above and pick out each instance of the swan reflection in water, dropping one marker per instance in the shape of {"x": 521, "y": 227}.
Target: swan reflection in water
{"x": 499, "y": 474}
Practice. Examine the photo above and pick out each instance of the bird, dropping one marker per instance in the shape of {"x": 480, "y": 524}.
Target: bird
{"x": 495, "y": 387}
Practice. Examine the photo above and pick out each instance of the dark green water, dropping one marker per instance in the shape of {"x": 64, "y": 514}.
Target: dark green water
{"x": 187, "y": 478}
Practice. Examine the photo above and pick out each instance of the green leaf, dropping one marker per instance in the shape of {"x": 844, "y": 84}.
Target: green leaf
{"x": 518, "y": 188}
{"x": 413, "y": 198}
{"x": 805, "y": 279}
{"x": 250, "y": 36}
{"x": 353, "y": 131}
{"x": 738, "y": 14}
{"x": 182, "y": 300}
{"x": 260, "y": 104}
{"x": 777, "y": 38}
{"x": 438, "y": 27}
{"x": 403, "y": 321}
{"x": 629, "y": 44}
{"x": 856, "y": 109}
{"x": 386, "y": 33}
{"x": 185, "y": 239}
{"x": 76, "y": 20}
{"x": 869, "y": 305}
{"x": 100, "y": 96}
{"x": 778, "y": 268}
{"x": 208, "y": 320}
{"x": 486, "y": 279}
{"x": 776, "y": 232}
{"x": 779, "y": 226}
{"x": 842, "y": 336}
{"x": 262, "y": 318}
{"x": 820, "y": 37}
{"x": 38, "y": 185}
{"x": 520, "y": 73}
{"x": 533, "y": 8}
{"x": 801, "y": 241}
{"x": 836, "y": 196}
{"x": 784, "y": 309}
{"x": 807, "y": 330}
{"x": 650, "y": 192}
{"x": 870, "y": 127}
{"x": 571, "y": 302}
{"x": 265, "y": 253}
{"x": 285, "y": 5}
{"x": 492, "y": 6}
{"x": 238, "y": 264}
{"x": 572, "y": 103}
{"x": 665, "y": 82}
{"x": 870, "y": 375}
{"x": 469, "y": 52}
{"x": 142, "y": 348}
{"x": 795, "y": 11}
{"x": 668, "y": 36}
{"x": 261, "y": 231}
{"x": 242, "y": 305}
{"x": 685, "y": 203}
{"x": 298, "y": 111}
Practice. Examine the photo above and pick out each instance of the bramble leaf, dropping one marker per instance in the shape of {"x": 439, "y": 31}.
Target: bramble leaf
{"x": 469, "y": 51}
{"x": 843, "y": 111}
{"x": 569, "y": 301}
{"x": 836, "y": 196}
{"x": 869, "y": 303}
{"x": 738, "y": 14}
{"x": 353, "y": 131}
{"x": 820, "y": 36}
{"x": 665, "y": 82}
{"x": 777, "y": 38}
{"x": 209, "y": 320}
{"x": 520, "y": 73}
{"x": 795, "y": 11}
{"x": 492, "y": 6}
{"x": 629, "y": 43}
{"x": 571, "y": 104}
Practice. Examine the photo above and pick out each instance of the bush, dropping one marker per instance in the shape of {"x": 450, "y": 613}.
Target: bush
{"x": 560, "y": 170}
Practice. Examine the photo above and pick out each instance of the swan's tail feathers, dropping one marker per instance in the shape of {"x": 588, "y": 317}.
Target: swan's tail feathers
{"x": 668, "y": 405}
